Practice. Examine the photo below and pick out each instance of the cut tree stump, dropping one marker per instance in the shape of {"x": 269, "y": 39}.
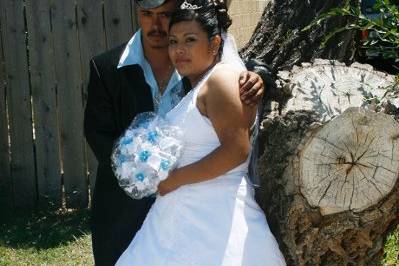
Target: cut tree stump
{"x": 329, "y": 163}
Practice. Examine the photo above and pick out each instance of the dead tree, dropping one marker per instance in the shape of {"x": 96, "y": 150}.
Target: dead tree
{"x": 279, "y": 41}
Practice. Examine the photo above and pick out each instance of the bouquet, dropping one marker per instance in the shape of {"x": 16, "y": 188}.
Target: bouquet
{"x": 145, "y": 154}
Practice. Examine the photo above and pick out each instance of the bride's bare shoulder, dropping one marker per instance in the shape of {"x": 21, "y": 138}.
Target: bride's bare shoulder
{"x": 224, "y": 77}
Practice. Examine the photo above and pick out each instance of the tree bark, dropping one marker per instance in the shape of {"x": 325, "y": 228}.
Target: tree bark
{"x": 279, "y": 41}
{"x": 329, "y": 163}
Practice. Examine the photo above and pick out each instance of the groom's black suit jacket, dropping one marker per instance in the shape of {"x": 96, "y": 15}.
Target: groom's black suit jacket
{"x": 115, "y": 97}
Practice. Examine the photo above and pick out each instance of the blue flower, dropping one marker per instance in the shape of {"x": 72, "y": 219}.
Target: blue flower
{"x": 127, "y": 140}
{"x": 140, "y": 176}
{"x": 144, "y": 124}
{"x": 144, "y": 155}
{"x": 165, "y": 164}
{"x": 152, "y": 137}
{"x": 122, "y": 158}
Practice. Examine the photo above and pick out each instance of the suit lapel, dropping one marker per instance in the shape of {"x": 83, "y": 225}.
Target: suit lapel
{"x": 135, "y": 93}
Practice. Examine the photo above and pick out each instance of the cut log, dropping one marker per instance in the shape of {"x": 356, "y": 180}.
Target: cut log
{"x": 351, "y": 163}
{"x": 329, "y": 163}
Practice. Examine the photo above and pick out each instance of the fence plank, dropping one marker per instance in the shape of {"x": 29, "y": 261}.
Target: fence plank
{"x": 19, "y": 99}
{"x": 118, "y": 22}
{"x": 135, "y": 21}
{"x": 92, "y": 41}
{"x": 43, "y": 87}
{"x": 68, "y": 73}
{"x": 5, "y": 174}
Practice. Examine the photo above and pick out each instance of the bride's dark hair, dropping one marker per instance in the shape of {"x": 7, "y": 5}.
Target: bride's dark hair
{"x": 211, "y": 15}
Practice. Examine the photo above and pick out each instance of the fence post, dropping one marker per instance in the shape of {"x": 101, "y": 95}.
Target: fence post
{"x": 92, "y": 42}
{"x": 70, "y": 105}
{"x": 118, "y": 22}
{"x": 43, "y": 86}
{"x": 135, "y": 19}
{"x": 5, "y": 174}
{"x": 19, "y": 103}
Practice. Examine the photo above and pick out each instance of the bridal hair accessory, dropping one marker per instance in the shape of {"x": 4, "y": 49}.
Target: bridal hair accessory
{"x": 187, "y": 5}
{"x": 145, "y": 154}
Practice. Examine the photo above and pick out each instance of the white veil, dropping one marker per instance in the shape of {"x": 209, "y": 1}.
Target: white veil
{"x": 230, "y": 56}
{"x": 230, "y": 53}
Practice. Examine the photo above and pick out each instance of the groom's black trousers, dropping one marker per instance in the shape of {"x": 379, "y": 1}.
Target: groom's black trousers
{"x": 115, "y": 220}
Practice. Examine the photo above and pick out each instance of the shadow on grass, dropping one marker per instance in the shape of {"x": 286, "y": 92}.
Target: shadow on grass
{"x": 42, "y": 229}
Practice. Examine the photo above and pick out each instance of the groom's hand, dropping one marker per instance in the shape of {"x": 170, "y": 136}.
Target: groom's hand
{"x": 251, "y": 88}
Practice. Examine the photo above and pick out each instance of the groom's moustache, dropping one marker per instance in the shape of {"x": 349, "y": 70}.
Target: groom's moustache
{"x": 157, "y": 33}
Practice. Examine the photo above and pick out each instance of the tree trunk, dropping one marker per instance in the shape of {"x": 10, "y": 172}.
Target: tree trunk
{"x": 329, "y": 164}
{"x": 279, "y": 41}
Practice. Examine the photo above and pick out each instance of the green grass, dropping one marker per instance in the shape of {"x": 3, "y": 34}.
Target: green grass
{"x": 391, "y": 257}
{"x": 63, "y": 238}
{"x": 45, "y": 238}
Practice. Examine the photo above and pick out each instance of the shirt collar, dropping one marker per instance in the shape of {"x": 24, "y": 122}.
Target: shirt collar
{"x": 133, "y": 53}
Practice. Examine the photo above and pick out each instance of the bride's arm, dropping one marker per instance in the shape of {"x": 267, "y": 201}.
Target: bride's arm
{"x": 231, "y": 120}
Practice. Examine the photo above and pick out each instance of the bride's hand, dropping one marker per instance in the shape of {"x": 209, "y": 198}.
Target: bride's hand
{"x": 251, "y": 88}
{"x": 169, "y": 184}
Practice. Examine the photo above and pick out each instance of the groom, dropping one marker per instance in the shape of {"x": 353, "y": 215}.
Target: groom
{"x": 130, "y": 79}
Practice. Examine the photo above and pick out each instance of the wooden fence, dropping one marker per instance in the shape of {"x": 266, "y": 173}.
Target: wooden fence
{"x": 45, "y": 48}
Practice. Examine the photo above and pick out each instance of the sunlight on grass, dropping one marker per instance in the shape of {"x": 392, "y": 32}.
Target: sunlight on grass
{"x": 45, "y": 238}
{"x": 391, "y": 256}
{"x": 76, "y": 252}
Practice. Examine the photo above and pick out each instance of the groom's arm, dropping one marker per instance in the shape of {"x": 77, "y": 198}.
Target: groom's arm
{"x": 254, "y": 81}
{"x": 99, "y": 121}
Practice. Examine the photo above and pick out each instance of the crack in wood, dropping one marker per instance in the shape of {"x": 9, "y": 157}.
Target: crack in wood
{"x": 348, "y": 95}
{"x": 371, "y": 182}
{"x": 325, "y": 191}
{"x": 353, "y": 191}
{"x": 367, "y": 149}
{"x": 330, "y": 143}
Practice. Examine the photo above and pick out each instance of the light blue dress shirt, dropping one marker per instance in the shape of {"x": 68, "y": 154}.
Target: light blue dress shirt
{"x": 174, "y": 92}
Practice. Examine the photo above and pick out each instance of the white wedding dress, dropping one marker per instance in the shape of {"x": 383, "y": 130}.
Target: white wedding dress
{"x": 212, "y": 223}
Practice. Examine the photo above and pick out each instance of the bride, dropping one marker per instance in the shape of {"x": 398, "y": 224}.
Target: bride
{"x": 205, "y": 213}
